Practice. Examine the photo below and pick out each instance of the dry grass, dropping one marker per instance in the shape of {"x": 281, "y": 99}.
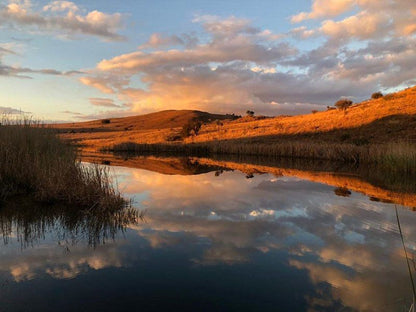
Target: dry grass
{"x": 397, "y": 157}
{"x": 35, "y": 161}
{"x": 375, "y": 120}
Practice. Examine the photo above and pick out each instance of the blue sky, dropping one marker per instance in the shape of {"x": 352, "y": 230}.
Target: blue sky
{"x": 80, "y": 60}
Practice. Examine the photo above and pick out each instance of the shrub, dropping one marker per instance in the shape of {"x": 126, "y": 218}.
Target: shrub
{"x": 314, "y": 111}
{"x": 343, "y": 104}
{"x": 250, "y": 113}
{"x": 389, "y": 96}
{"x": 376, "y": 95}
{"x": 191, "y": 127}
{"x": 105, "y": 121}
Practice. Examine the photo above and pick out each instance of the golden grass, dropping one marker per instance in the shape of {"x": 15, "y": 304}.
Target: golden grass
{"x": 35, "y": 161}
{"x": 388, "y": 119}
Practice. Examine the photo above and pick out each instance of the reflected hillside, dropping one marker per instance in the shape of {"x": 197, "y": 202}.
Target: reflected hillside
{"x": 163, "y": 165}
{"x": 378, "y": 185}
{"x": 30, "y": 223}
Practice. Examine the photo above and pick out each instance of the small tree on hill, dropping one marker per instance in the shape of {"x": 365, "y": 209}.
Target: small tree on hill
{"x": 343, "y": 104}
{"x": 376, "y": 95}
{"x": 250, "y": 113}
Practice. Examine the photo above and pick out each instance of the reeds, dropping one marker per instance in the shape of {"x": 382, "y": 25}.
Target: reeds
{"x": 33, "y": 160}
{"x": 397, "y": 157}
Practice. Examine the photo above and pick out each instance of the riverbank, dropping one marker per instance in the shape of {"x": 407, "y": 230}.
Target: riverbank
{"x": 35, "y": 162}
{"x": 395, "y": 157}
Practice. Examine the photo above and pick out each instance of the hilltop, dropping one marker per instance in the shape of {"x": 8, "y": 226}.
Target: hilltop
{"x": 153, "y": 127}
{"x": 388, "y": 119}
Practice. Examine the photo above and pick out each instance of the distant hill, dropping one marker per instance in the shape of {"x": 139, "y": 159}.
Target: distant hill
{"x": 159, "y": 120}
{"x": 386, "y": 119}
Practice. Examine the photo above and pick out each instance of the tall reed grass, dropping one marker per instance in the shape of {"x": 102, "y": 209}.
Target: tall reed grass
{"x": 397, "y": 157}
{"x": 33, "y": 160}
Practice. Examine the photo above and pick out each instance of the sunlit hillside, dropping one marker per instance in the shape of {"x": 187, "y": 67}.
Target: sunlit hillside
{"x": 390, "y": 118}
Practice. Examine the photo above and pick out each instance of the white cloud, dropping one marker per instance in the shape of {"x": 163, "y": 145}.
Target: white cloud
{"x": 324, "y": 8}
{"x": 60, "y": 6}
{"x": 234, "y": 66}
{"x": 61, "y": 18}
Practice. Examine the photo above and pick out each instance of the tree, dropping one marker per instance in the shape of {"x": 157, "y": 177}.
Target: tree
{"x": 250, "y": 113}
{"x": 191, "y": 127}
{"x": 343, "y": 104}
{"x": 376, "y": 95}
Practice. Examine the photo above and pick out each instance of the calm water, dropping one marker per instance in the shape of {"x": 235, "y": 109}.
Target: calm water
{"x": 216, "y": 241}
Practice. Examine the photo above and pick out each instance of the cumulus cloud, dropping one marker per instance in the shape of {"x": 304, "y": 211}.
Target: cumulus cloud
{"x": 324, "y": 8}
{"x": 62, "y": 18}
{"x": 234, "y": 65}
{"x": 375, "y": 19}
{"x": 61, "y": 6}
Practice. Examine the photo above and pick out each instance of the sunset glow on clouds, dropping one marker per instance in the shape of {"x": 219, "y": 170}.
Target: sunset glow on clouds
{"x": 129, "y": 58}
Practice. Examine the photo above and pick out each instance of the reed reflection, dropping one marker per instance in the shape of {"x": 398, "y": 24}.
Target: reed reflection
{"x": 29, "y": 222}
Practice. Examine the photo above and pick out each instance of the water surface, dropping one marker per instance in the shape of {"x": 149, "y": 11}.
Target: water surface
{"x": 219, "y": 240}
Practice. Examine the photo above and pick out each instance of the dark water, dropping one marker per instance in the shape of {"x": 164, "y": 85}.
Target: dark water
{"x": 216, "y": 241}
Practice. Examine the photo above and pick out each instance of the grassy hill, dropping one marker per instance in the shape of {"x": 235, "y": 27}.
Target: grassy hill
{"x": 153, "y": 121}
{"x": 388, "y": 119}
{"x": 154, "y": 127}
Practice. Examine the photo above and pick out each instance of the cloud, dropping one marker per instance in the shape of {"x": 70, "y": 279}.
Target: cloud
{"x": 104, "y": 102}
{"x": 61, "y": 6}
{"x": 10, "y": 111}
{"x": 158, "y": 40}
{"x": 21, "y": 72}
{"x": 62, "y": 18}
{"x": 375, "y": 19}
{"x": 324, "y": 8}
{"x": 234, "y": 65}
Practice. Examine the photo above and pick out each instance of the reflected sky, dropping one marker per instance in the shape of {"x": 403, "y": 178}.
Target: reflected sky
{"x": 227, "y": 242}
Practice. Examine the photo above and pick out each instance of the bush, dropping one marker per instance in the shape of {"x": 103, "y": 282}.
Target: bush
{"x": 390, "y": 96}
{"x": 105, "y": 121}
{"x": 343, "y": 104}
{"x": 376, "y": 95}
{"x": 314, "y": 111}
{"x": 191, "y": 127}
{"x": 250, "y": 113}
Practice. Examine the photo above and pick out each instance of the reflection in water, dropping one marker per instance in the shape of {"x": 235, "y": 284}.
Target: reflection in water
{"x": 218, "y": 241}
{"x": 29, "y": 222}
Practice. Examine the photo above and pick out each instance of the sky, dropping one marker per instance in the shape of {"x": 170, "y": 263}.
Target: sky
{"x": 83, "y": 60}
